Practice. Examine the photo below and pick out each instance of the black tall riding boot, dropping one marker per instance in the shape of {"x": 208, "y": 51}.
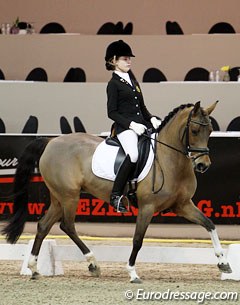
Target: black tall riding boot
{"x": 118, "y": 188}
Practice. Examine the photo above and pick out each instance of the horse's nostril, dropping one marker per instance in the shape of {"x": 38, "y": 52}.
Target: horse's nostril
{"x": 202, "y": 167}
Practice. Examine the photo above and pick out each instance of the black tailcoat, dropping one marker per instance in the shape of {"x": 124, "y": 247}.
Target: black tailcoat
{"x": 125, "y": 104}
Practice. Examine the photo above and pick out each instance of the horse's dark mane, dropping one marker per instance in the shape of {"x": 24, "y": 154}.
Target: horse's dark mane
{"x": 172, "y": 114}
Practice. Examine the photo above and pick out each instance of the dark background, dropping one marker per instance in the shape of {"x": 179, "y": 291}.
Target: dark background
{"x": 217, "y": 193}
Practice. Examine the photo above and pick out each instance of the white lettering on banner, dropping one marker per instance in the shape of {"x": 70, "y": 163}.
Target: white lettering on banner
{"x": 8, "y": 162}
{"x": 199, "y": 296}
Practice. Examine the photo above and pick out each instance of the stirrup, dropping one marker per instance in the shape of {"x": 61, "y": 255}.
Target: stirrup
{"x": 116, "y": 203}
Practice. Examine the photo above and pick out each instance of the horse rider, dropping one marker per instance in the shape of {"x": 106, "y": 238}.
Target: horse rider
{"x": 125, "y": 106}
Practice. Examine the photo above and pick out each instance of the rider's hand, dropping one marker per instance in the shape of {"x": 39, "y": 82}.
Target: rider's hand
{"x": 138, "y": 128}
{"x": 155, "y": 122}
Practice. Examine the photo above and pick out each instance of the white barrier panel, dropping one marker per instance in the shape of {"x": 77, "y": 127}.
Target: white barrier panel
{"x": 233, "y": 257}
{"x": 172, "y": 255}
{"x": 12, "y": 252}
{"x": 51, "y": 256}
{"x": 47, "y": 264}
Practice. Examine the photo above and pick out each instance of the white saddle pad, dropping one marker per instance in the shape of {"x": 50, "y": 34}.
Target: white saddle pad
{"x": 104, "y": 158}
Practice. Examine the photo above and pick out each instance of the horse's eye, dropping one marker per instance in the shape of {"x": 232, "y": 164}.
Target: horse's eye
{"x": 195, "y": 131}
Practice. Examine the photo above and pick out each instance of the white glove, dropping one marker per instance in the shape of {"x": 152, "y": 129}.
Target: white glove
{"x": 138, "y": 128}
{"x": 155, "y": 122}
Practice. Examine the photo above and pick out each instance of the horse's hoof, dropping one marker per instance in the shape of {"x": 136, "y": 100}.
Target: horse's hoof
{"x": 225, "y": 268}
{"x": 35, "y": 276}
{"x": 136, "y": 281}
{"x": 94, "y": 270}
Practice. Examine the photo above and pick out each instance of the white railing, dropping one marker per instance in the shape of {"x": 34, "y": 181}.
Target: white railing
{"x": 51, "y": 256}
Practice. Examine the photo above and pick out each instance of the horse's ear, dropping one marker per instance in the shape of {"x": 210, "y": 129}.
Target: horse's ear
{"x": 210, "y": 109}
{"x": 196, "y": 107}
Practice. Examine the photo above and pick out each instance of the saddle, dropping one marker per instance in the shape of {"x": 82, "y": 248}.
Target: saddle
{"x": 109, "y": 156}
{"x": 143, "y": 152}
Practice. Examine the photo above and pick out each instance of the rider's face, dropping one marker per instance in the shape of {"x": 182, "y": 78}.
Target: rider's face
{"x": 123, "y": 64}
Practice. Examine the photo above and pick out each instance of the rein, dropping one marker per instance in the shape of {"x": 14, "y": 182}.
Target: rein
{"x": 187, "y": 152}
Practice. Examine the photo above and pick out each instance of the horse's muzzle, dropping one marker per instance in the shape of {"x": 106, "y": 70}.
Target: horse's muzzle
{"x": 201, "y": 167}
{"x": 201, "y": 162}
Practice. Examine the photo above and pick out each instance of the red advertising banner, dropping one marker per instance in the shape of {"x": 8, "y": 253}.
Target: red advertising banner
{"x": 217, "y": 193}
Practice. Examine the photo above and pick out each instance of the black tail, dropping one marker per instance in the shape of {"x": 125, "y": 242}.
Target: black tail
{"x": 25, "y": 168}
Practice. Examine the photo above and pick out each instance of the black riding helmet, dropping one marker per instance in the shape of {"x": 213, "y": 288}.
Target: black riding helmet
{"x": 117, "y": 48}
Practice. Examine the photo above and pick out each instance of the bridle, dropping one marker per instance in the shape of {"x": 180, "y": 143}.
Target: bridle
{"x": 188, "y": 149}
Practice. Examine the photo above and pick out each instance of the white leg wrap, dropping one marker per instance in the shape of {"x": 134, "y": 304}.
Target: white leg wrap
{"x": 91, "y": 258}
{"x": 132, "y": 273}
{"x": 217, "y": 247}
{"x": 32, "y": 263}
{"x": 93, "y": 265}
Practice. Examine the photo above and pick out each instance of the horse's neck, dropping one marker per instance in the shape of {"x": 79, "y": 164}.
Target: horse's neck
{"x": 170, "y": 135}
{"x": 172, "y": 154}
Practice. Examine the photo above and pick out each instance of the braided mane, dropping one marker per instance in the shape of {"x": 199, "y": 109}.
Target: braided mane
{"x": 172, "y": 114}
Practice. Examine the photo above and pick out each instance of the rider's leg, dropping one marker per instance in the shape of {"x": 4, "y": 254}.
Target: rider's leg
{"x": 129, "y": 141}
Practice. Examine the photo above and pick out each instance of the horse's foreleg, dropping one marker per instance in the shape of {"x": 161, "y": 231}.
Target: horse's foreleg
{"x": 68, "y": 226}
{"x": 223, "y": 264}
{"x": 45, "y": 224}
{"x": 192, "y": 213}
{"x": 143, "y": 219}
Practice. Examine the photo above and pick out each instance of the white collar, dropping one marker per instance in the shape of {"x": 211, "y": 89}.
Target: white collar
{"x": 124, "y": 75}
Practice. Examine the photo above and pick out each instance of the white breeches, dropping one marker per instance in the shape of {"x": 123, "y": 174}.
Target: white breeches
{"x": 129, "y": 140}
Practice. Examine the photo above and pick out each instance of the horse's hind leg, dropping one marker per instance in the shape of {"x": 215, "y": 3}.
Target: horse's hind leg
{"x": 68, "y": 226}
{"x": 53, "y": 215}
{"x": 192, "y": 213}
